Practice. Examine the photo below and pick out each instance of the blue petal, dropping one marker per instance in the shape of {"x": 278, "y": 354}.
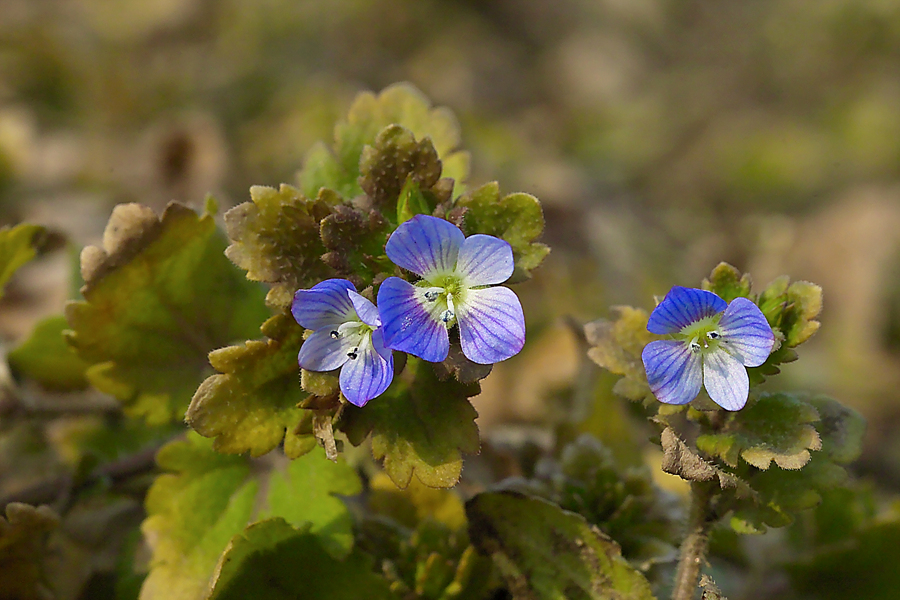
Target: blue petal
{"x": 485, "y": 260}
{"x": 321, "y": 352}
{"x": 746, "y": 333}
{"x": 380, "y": 348}
{"x": 407, "y": 325}
{"x": 425, "y": 245}
{"x": 726, "y": 380}
{"x": 681, "y": 307}
{"x": 365, "y": 310}
{"x": 326, "y": 304}
{"x": 673, "y": 371}
{"x": 366, "y": 376}
{"x": 491, "y": 325}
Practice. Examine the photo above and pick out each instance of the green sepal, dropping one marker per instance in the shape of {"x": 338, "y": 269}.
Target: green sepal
{"x": 251, "y": 405}
{"x": 400, "y": 104}
{"x": 18, "y": 245}
{"x": 272, "y": 560}
{"x": 412, "y": 202}
{"x": 516, "y": 218}
{"x": 275, "y": 238}
{"x": 158, "y": 297}
{"x": 420, "y": 426}
{"x": 544, "y": 551}
{"x": 46, "y": 358}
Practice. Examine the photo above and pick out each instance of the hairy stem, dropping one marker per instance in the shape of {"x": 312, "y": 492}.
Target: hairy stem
{"x": 693, "y": 548}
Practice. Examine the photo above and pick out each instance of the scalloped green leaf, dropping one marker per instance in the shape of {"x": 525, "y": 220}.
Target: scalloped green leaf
{"x": 275, "y": 238}
{"x": 616, "y": 345}
{"x": 46, "y": 358}
{"x": 391, "y": 161}
{"x": 273, "y": 561}
{"x": 545, "y": 552}
{"x": 420, "y": 426}
{"x": 206, "y": 498}
{"x": 23, "y": 534}
{"x": 251, "y": 405}
{"x": 18, "y": 245}
{"x": 777, "y": 427}
{"x": 158, "y": 296}
{"x": 400, "y": 104}
{"x": 354, "y": 240}
{"x": 728, "y": 283}
{"x": 516, "y": 218}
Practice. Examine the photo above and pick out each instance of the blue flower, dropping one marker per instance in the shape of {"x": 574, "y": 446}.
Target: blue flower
{"x": 457, "y": 273}
{"x": 347, "y": 334}
{"x": 713, "y": 343}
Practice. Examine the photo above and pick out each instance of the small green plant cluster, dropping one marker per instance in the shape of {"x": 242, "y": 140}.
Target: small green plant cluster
{"x": 280, "y": 488}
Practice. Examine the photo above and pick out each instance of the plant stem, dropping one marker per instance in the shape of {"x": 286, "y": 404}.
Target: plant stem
{"x": 693, "y": 548}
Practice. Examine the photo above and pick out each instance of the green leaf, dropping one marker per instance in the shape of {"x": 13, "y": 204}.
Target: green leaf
{"x": 23, "y": 534}
{"x": 776, "y": 427}
{"x": 158, "y": 296}
{"x": 400, "y": 104}
{"x": 412, "y": 202}
{"x": 419, "y": 426}
{"x": 548, "y": 553}
{"x": 275, "y": 238}
{"x": 355, "y": 242}
{"x": 516, "y": 218}
{"x": 616, "y": 345}
{"x": 727, "y": 282}
{"x": 251, "y": 406}
{"x": 273, "y": 561}
{"x": 207, "y": 498}
{"x": 46, "y": 358}
{"x": 18, "y": 245}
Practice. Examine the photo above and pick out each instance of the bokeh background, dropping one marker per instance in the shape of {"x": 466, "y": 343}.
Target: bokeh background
{"x": 662, "y": 136}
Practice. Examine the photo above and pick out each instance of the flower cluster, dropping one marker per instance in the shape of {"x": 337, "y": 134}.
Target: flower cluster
{"x": 712, "y": 342}
{"x": 458, "y": 287}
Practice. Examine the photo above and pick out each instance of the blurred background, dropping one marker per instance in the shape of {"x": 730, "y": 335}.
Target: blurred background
{"x": 662, "y": 137}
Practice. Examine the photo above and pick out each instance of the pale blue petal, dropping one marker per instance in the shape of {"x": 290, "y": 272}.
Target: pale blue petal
{"x": 681, "y": 307}
{"x": 491, "y": 325}
{"x": 425, "y": 245}
{"x": 726, "y": 380}
{"x": 407, "y": 325}
{"x": 380, "y": 348}
{"x": 365, "y": 310}
{"x": 321, "y": 352}
{"x": 745, "y": 332}
{"x": 327, "y": 304}
{"x": 366, "y": 376}
{"x": 485, "y": 260}
{"x": 673, "y": 371}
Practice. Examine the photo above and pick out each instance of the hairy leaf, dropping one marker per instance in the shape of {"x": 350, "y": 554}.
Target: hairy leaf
{"x": 549, "y": 553}
{"x": 728, "y": 283}
{"x": 158, "y": 297}
{"x": 516, "y": 218}
{"x": 45, "y": 357}
{"x": 18, "y": 245}
{"x": 275, "y": 238}
{"x": 355, "y": 242}
{"x": 22, "y": 548}
{"x": 420, "y": 426}
{"x": 395, "y": 158}
{"x": 271, "y": 560}
{"x": 251, "y": 406}
{"x": 616, "y": 345}
{"x": 400, "y": 104}
{"x": 776, "y": 427}
{"x": 206, "y": 498}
